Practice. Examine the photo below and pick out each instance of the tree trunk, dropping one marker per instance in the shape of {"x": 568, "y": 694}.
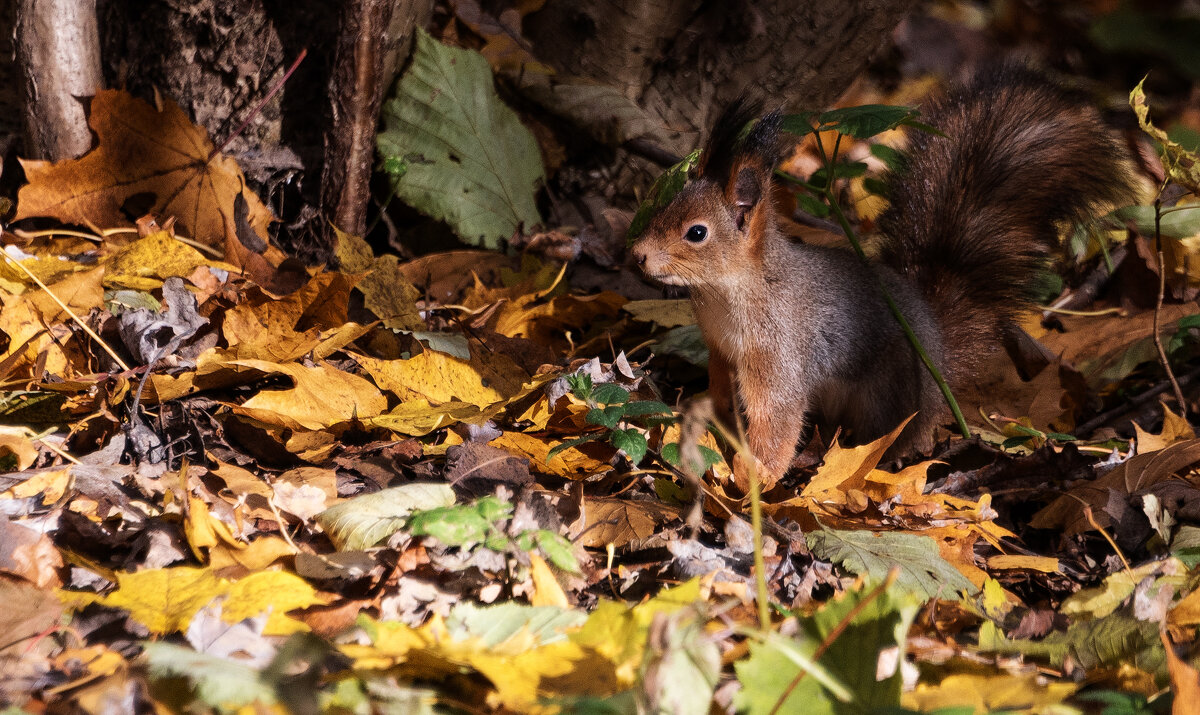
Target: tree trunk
{"x": 58, "y": 56}
{"x": 683, "y": 60}
{"x": 372, "y": 31}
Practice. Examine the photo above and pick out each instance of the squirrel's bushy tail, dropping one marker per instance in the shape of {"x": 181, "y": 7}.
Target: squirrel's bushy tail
{"x": 974, "y": 213}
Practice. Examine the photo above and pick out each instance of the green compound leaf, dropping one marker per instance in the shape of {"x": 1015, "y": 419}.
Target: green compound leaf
{"x": 642, "y": 408}
{"x": 467, "y": 160}
{"x": 610, "y": 394}
{"x": 607, "y": 417}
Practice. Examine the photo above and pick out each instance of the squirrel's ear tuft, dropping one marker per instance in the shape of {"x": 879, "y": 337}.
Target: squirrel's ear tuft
{"x": 725, "y": 139}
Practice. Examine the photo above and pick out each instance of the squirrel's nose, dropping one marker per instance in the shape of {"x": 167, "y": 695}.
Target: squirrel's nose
{"x": 639, "y": 256}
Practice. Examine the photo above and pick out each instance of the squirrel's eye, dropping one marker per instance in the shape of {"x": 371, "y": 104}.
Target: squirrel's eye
{"x": 696, "y": 233}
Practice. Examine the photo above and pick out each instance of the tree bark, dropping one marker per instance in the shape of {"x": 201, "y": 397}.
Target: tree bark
{"x": 372, "y": 31}
{"x": 58, "y": 54}
{"x": 683, "y": 60}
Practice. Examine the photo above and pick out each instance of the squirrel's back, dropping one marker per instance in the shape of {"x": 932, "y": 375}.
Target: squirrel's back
{"x": 973, "y": 213}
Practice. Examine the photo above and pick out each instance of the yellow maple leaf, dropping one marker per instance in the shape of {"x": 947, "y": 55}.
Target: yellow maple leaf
{"x": 164, "y": 600}
{"x": 486, "y": 379}
{"x": 147, "y": 262}
{"x": 323, "y": 396}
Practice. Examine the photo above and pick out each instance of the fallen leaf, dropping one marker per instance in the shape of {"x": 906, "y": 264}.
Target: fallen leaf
{"x": 321, "y": 396}
{"x": 144, "y": 150}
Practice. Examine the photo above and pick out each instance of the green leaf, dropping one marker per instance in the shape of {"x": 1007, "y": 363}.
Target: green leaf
{"x": 891, "y": 157}
{"x": 1185, "y": 546}
{"x": 461, "y": 525}
{"x": 665, "y": 187}
{"x": 581, "y": 385}
{"x": 841, "y": 170}
{"x": 605, "y": 417}
{"x": 867, "y": 120}
{"x": 811, "y": 205}
{"x": 685, "y": 342}
{"x": 798, "y": 124}
{"x": 226, "y": 685}
{"x": 877, "y": 187}
{"x": 610, "y": 394}
{"x": 670, "y": 452}
{"x": 772, "y": 667}
{"x": 493, "y": 509}
{"x": 853, "y": 656}
{"x": 469, "y": 160}
{"x": 922, "y": 568}
{"x": 1117, "y": 703}
{"x": 495, "y": 625}
{"x": 1173, "y": 224}
{"x": 571, "y": 443}
{"x": 364, "y": 521}
{"x": 558, "y": 550}
{"x": 32, "y": 407}
{"x": 1014, "y": 442}
{"x": 641, "y": 408}
{"x": 631, "y": 442}
{"x": 1117, "y": 639}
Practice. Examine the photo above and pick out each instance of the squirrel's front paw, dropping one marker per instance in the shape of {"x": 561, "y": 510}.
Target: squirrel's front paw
{"x": 741, "y": 474}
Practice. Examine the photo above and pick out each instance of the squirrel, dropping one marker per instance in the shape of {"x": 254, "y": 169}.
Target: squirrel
{"x": 796, "y": 330}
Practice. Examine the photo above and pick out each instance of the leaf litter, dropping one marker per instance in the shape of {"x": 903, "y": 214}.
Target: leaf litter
{"x": 238, "y": 489}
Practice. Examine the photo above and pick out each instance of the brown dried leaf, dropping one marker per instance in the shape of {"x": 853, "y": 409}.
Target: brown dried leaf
{"x": 1135, "y": 474}
{"x": 147, "y": 151}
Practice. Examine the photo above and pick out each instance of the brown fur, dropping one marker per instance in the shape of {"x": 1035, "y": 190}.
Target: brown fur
{"x": 805, "y": 332}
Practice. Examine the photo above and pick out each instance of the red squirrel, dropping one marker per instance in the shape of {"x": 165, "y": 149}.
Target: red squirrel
{"x": 796, "y": 330}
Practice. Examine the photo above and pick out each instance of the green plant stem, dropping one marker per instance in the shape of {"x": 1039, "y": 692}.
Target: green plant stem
{"x": 827, "y": 192}
{"x": 760, "y": 563}
{"x": 908, "y": 331}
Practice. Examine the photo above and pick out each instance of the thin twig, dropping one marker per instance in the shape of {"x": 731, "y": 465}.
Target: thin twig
{"x": 1162, "y": 287}
{"x": 1091, "y": 519}
{"x": 34, "y": 437}
{"x": 91, "y": 333}
{"x": 270, "y": 95}
{"x": 1105, "y": 417}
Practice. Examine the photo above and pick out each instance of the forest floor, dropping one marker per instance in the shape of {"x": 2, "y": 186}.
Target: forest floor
{"x": 477, "y": 481}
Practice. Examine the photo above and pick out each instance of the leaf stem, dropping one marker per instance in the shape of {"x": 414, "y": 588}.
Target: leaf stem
{"x": 904, "y": 324}
{"x": 760, "y": 563}
{"x": 827, "y": 193}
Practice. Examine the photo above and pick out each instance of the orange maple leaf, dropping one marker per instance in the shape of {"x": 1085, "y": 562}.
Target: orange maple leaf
{"x": 155, "y": 152}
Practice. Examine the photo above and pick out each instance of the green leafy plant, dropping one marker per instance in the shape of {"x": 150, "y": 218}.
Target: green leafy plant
{"x": 624, "y": 421}
{"x": 480, "y": 524}
{"x": 818, "y": 197}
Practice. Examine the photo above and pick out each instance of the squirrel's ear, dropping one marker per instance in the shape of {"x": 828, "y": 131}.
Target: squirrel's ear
{"x": 744, "y": 192}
